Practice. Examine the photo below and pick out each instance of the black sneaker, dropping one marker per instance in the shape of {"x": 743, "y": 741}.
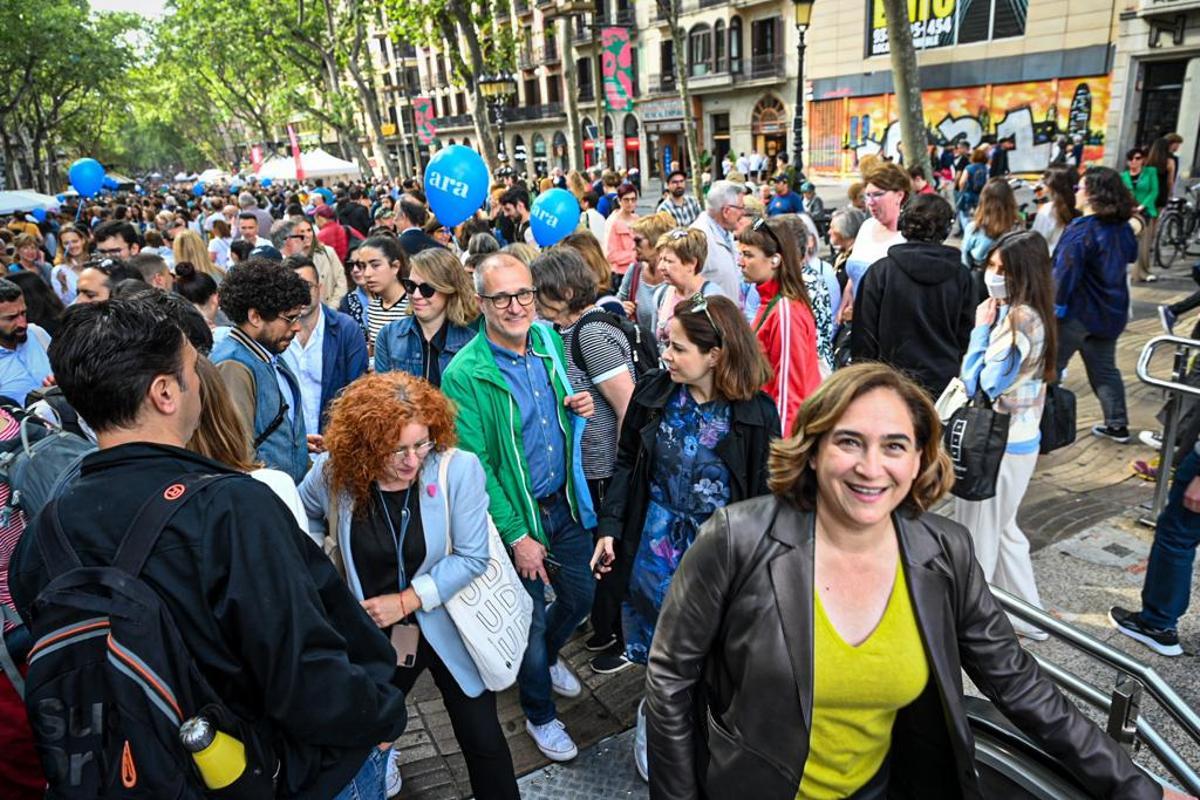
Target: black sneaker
{"x": 1162, "y": 641}
{"x": 609, "y": 663}
{"x": 598, "y": 642}
{"x": 1118, "y": 435}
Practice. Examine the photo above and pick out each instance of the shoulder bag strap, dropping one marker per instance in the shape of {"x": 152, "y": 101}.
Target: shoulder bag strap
{"x": 443, "y": 489}
{"x": 7, "y": 665}
{"x": 273, "y": 424}
{"x": 153, "y": 516}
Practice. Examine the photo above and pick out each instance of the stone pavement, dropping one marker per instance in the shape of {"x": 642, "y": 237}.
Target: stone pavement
{"x": 1089, "y": 553}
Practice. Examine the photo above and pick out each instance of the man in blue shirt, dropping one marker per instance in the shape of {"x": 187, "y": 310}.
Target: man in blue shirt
{"x": 24, "y": 365}
{"x": 785, "y": 200}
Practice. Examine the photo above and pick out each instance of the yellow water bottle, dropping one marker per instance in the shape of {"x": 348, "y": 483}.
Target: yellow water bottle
{"x": 220, "y": 757}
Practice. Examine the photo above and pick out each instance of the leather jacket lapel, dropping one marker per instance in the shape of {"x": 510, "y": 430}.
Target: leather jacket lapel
{"x": 792, "y": 580}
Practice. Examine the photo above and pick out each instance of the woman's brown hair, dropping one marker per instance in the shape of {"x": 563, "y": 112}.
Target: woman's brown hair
{"x": 1029, "y": 281}
{"x": 774, "y": 238}
{"x": 997, "y": 211}
{"x": 741, "y": 368}
{"x": 445, "y": 273}
{"x": 365, "y": 423}
{"x": 221, "y": 434}
{"x": 588, "y": 246}
{"x": 1061, "y": 185}
{"x": 689, "y": 245}
{"x": 887, "y": 175}
{"x": 791, "y": 476}
{"x": 652, "y": 226}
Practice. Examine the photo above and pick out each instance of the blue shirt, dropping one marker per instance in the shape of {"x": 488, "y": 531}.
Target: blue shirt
{"x": 541, "y": 437}
{"x": 1090, "y": 263}
{"x": 25, "y": 368}
{"x": 790, "y": 203}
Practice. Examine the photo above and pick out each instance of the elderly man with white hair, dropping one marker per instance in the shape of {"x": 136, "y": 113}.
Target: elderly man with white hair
{"x": 726, "y": 204}
{"x": 249, "y": 205}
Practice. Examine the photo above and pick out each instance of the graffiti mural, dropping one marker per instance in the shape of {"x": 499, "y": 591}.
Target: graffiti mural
{"x": 1032, "y": 114}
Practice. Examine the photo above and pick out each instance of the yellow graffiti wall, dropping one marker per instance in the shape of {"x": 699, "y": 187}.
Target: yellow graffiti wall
{"x": 842, "y": 130}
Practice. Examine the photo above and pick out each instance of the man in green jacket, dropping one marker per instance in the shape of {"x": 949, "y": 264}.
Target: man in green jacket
{"x": 516, "y": 411}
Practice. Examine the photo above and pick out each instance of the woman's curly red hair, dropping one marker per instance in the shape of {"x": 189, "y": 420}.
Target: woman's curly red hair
{"x": 365, "y": 423}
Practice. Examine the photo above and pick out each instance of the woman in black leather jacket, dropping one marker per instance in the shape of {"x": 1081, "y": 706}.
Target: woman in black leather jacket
{"x": 813, "y": 641}
{"x": 695, "y": 437}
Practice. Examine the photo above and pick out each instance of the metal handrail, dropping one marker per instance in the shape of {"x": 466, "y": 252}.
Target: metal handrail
{"x": 1175, "y": 387}
{"x": 1146, "y": 676}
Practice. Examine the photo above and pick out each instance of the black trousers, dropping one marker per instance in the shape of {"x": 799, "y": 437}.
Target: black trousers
{"x": 475, "y": 724}
{"x": 610, "y": 591}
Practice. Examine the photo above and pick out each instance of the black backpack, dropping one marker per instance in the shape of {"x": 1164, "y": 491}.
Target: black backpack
{"x": 110, "y": 680}
{"x": 641, "y": 344}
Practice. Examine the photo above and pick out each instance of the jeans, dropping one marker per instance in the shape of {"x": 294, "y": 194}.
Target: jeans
{"x": 1168, "y": 583}
{"x": 570, "y": 546}
{"x": 1100, "y": 361}
{"x": 368, "y": 784}
{"x": 475, "y": 724}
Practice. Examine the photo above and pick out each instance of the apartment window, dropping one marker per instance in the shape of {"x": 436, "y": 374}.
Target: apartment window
{"x": 735, "y": 45}
{"x": 719, "y": 46}
{"x": 666, "y": 61}
{"x": 553, "y": 88}
{"x": 981, "y": 20}
{"x": 699, "y": 51}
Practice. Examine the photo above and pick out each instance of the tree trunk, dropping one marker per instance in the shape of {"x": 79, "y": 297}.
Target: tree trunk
{"x": 571, "y": 81}
{"x": 689, "y": 124}
{"x": 370, "y": 101}
{"x": 463, "y": 30}
{"x": 907, "y": 84}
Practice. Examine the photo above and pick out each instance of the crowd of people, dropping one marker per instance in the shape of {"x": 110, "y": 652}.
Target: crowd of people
{"x": 676, "y": 421}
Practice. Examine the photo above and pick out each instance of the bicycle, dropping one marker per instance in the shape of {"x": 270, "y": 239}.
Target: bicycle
{"x": 1178, "y": 233}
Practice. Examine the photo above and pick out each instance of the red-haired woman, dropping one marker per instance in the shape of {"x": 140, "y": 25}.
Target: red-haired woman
{"x": 377, "y": 486}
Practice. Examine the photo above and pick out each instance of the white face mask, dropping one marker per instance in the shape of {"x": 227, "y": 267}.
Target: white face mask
{"x": 997, "y": 286}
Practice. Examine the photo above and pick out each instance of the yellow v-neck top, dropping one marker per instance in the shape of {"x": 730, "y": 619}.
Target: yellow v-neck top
{"x": 856, "y": 694}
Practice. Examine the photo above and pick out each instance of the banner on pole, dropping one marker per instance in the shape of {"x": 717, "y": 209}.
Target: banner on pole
{"x": 423, "y": 113}
{"x": 616, "y": 68}
{"x": 296, "y": 152}
{"x": 256, "y": 158}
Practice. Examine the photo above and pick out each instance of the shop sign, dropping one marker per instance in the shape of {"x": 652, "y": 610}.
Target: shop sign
{"x": 659, "y": 110}
{"x": 933, "y": 25}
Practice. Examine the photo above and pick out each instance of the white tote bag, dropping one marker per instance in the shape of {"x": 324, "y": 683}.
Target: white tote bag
{"x": 493, "y": 611}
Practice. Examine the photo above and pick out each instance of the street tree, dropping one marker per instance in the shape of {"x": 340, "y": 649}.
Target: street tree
{"x": 907, "y": 84}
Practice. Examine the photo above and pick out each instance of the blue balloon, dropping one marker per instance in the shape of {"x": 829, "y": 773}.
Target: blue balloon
{"x": 235, "y": 187}
{"x": 39, "y": 214}
{"x": 198, "y": 189}
{"x": 555, "y": 214}
{"x": 456, "y": 184}
{"x": 87, "y": 176}
{"x": 109, "y": 183}
{"x": 266, "y": 183}
{"x": 62, "y": 198}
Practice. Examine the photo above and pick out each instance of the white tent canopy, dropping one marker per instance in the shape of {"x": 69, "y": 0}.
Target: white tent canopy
{"x": 17, "y": 200}
{"x": 212, "y": 174}
{"x": 316, "y": 163}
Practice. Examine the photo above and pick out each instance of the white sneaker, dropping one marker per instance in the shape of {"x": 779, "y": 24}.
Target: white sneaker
{"x": 394, "y": 782}
{"x": 641, "y": 758}
{"x": 563, "y": 681}
{"x": 1151, "y": 439}
{"x": 553, "y": 740}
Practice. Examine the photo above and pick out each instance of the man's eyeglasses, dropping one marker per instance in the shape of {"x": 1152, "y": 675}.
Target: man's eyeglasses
{"x": 502, "y": 301}
{"x": 297, "y": 236}
{"x": 109, "y": 252}
{"x": 426, "y": 290}
{"x": 699, "y": 305}
{"x": 741, "y": 209}
{"x": 420, "y": 450}
{"x": 105, "y": 265}
{"x": 760, "y": 225}
{"x": 291, "y": 319}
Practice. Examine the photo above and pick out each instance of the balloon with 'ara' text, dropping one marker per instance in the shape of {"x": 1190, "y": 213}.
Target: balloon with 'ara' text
{"x": 87, "y": 176}
{"x": 456, "y": 184}
{"x": 554, "y": 214}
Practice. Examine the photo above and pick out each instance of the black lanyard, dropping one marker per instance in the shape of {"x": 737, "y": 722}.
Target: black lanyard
{"x": 399, "y": 539}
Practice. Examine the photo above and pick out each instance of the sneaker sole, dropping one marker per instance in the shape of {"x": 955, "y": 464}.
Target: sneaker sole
{"x": 1111, "y": 438}
{"x": 626, "y": 664}
{"x": 1170, "y": 651}
{"x": 1162, "y": 320}
{"x": 600, "y": 648}
{"x": 558, "y": 690}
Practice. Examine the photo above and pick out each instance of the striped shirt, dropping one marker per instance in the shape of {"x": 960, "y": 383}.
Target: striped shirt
{"x": 685, "y": 213}
{"x": 12, "y": 526}
{"x": 378, "y": 315}
{"x": 606, "y": 354}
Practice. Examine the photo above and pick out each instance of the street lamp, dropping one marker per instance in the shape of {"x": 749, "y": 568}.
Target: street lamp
{"x": 803, "y": 15}
{"x": 496, "y": 89}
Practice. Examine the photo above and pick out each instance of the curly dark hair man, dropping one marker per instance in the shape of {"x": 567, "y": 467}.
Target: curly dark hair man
{"x": 264, "y": 287}
{"x": 265, "y": 301}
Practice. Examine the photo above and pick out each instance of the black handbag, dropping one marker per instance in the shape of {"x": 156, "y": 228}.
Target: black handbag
{"x": 975, "y": 438}
{"x": 1058, "y": 418}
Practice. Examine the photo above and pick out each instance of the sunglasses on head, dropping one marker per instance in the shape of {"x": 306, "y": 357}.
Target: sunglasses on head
{"x": 699, "y": 305}
{"x": 760, "y": 225}
{"x": 677, "y": 234}
{"x": 427, "y": 290}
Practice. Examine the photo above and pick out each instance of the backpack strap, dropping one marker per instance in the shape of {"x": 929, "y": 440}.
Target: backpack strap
{"x": 53, "y": 544}
{"x": 7, "y": 666}
{"x": 577, "y": 347}
{"x": 152, "y": 518}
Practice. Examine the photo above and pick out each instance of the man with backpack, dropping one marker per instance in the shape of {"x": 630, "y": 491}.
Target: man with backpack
{"x": 150, "y": 606}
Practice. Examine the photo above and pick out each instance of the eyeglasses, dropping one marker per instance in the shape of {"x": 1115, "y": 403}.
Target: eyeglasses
{"x": 873, "y": 197}
{"x": 741, "y": 209}
{"x": 111, "y": 252}
{"x": 297, "y": 236}
{"x": 291, "y": 319}
{"x": 700, "y": 306}
{"x": 427, "y": 290}
{"x": 760, "y": 224}
{"x": 420, "y": 450}
{"x": 354, "y": 265}
{"x": 502, "y": 301}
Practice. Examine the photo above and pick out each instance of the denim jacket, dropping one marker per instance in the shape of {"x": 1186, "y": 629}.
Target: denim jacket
{"x": 286, "y": 448}
{"x": 398, "y": 347}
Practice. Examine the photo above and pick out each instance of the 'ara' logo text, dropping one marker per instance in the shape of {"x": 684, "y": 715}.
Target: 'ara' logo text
{"x": 448, "y": 184}
{"x": 545, "y": 216}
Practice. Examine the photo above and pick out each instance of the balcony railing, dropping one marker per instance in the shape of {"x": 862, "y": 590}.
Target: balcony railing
{"x": 521, "y": 6}
{"x": 660, "y": 9}
{"x": 663, "y": 83}
{"x": 626, "y": 18}
{"x": 586, "y": 94}
{"x": 541, "y": 111}
{"x": 582, "y": 35}
{"x": 525, "y": 58}
{"x": 766, "y": 65}
{"x": 550, "y": 54}
{"x": 453, "y": 121}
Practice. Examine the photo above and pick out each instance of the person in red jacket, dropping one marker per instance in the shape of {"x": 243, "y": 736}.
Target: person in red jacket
{"x": 770, "y": 258}
{"x": 331, "y": 233}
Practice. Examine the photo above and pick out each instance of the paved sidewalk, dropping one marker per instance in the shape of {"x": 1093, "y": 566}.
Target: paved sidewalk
{"x": 1089, "y": 553}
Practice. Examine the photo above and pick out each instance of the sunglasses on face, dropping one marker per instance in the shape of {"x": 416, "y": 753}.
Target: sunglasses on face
{"x": 427, "y": 290}
{"x": 699, "y": 305}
